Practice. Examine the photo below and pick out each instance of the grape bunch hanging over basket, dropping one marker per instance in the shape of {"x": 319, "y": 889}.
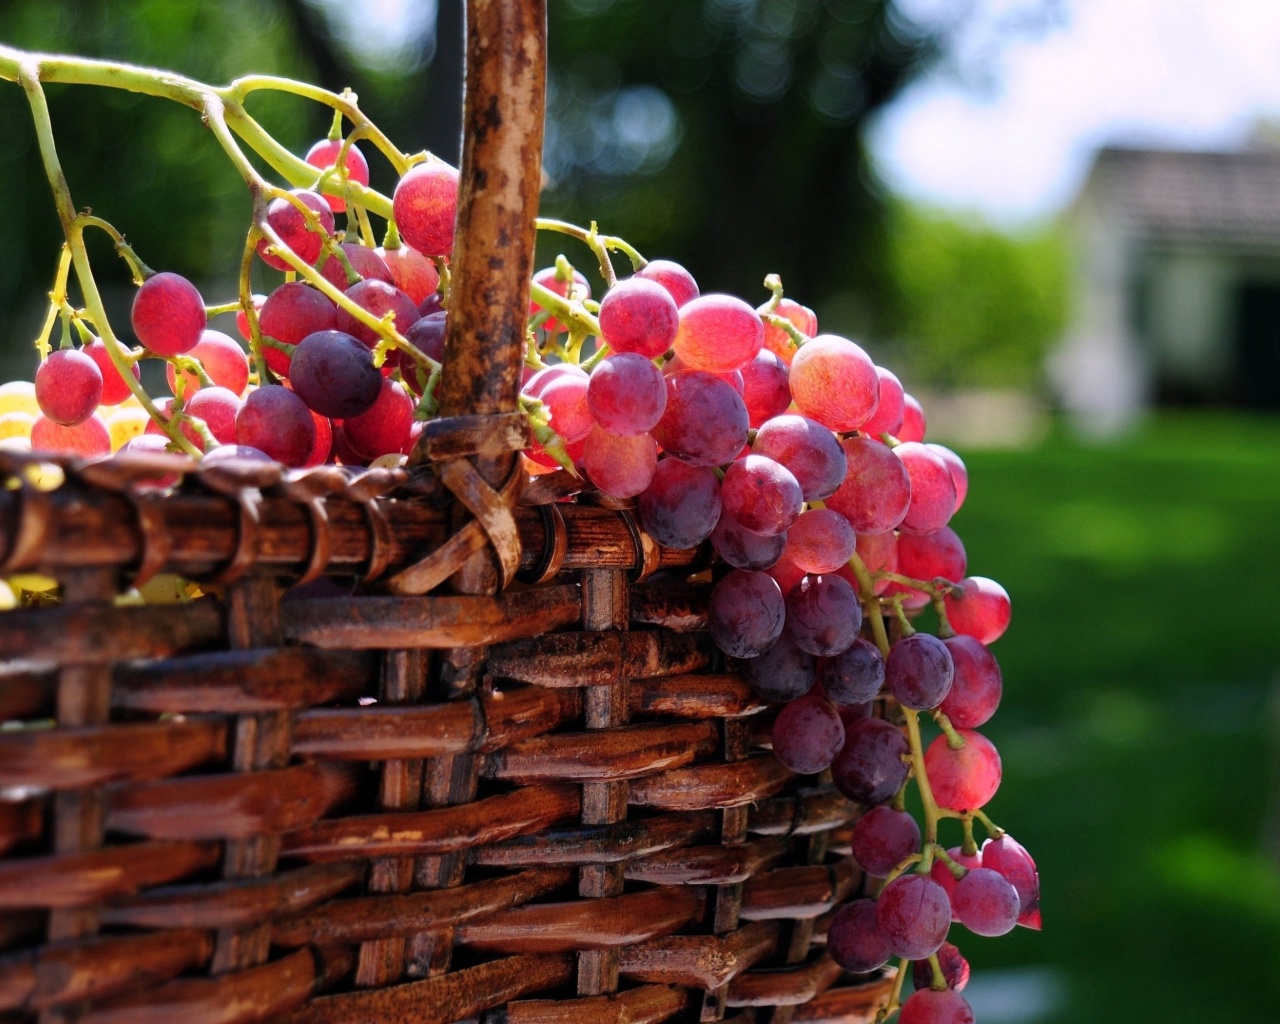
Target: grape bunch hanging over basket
{"x": 802, "y": 464}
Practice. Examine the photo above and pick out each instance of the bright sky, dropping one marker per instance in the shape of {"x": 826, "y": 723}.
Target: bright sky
{"x": 1187, "y": 73}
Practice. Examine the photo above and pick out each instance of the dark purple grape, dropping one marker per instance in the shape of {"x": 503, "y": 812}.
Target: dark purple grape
{"x": 855, "y": 675}
{"x": 986, "y": 902}
{"x": 871, "y": 766}
{"x": 955, "y": 969}
{"x": 743, "y": 549}
{"x": 761, "y": 495}
{"x": 927, "y": 1006}
{"x": 854, "y": 941}
{"x": 334, "y": 374}
{"x": 919, "y": 671}
{"x": 977, "y": 687}
{"x": 883, "y": 838}
{"x": 914, "y": 915}
{"x": 275, "y": 420}
{"x": 705, "y": 422}
{"x": 745, "y": 613}
{"x": 823, "y": 615}
{"x": 782, "y": 673}
{"x": 681, "y": 505}
{"x": 807, "y": 735}
{"x": 808, "y": 449}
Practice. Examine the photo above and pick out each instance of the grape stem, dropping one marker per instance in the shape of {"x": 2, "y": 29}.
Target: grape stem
{"x": 598, "y": 243}
{"x": 895, "y": 996}
{"x": 562, "y": 309}
{"x": 939, "y": 982}
{"x": 57, "y": 296}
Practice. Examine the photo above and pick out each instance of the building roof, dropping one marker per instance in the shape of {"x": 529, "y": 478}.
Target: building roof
{"x": 1220, "y": 198}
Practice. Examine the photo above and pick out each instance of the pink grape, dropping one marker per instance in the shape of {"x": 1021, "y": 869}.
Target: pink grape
{"x": 888, "y": 414}
{"x": 855, "y": 675}
{"x": 568, "y": 407}
{"x": 627, "y": 394}
{"x": 538, "y": 382}
{"x": 883, "y": 838}
{"x": 941, "y": 873}
{"x": 575, "y": 289}
{"x": 411, "y": 272}
{"x": 425, "y": 207}
{"x": 384, "y": 427}
{"x": 782, "y": 673}
{"x": 913, "y": 421}
{"x": 807, "y": 735}
{"x": 808, "y": 449}
{"x": 223, "y": 360}
{"x": 964, "y": 779}
{"x": 778, "y": 341}
{"x": 678, "y": 282}
{"x": 68, "y": 386}
{"x": 766, "y": 389}
{"x": 870, "y": 768}
{"x": 743, "y": 549}
{"x": 821, "y": 540}
{"x": 879, "y": 553}
{"x": 324, "y": 154}
{"x": 334, "y": 374}
{"x": 676, "y": 365}
{"x": 289, "y": 314}
{"x": 926, "y": 556}
{"x": 786, "y": 572}
{"x": 705, "y": 422}
{"x": 981, "y": 611}
{"x": 927, "y": 1006}
{"x": 364, "y": 261}
{"x": 1007, "y": 856}
{"x": 168, "y": 314}
{"x": 957, "y": 468}
{"x": 638, "y": 315}
{"x": 955, "y": 969}
{"x": 914, "y": 915}
{"x": 834, "y": 381}
{"x": 919, "y": 671}
{"x": 114, "y": 389}
{"x": 986, "y": 903}
{"x": 379, "y": 299}
{"x": 291, "y": 225}
{"x": 876, "y": 490}
{"x": 275, "y": 420}
{"x": 854, "y": 941}
{"x": 975, "y": 693}
{"x": 88, "y": 438}
{"x": 823, "y": 615}
{"x": 933, "y": 494}
{"x": 745, "y": 613}
{"x": 620, "y": 465}
{"x": 218, "y": 408}
{"x": 761, "y": 495}
{"x": 681, "y": 506}
{"x": 718, "y": 333}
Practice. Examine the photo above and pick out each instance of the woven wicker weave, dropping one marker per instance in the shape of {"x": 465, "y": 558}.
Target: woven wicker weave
{"x": 522, "y": 798}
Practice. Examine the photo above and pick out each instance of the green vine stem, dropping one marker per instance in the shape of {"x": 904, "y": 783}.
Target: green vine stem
{"x": 598, "y": 243}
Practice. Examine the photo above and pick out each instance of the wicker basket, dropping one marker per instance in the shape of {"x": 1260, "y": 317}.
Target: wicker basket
{"x": 530, "y": 795}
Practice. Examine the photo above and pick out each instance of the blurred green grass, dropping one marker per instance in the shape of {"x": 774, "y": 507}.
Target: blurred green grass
{"x": 1139, "y": 724}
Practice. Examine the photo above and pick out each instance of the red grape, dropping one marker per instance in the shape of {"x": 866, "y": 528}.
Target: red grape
{"x": 955, "y": 969}
{"x": 223, "y": 453}
{"x": 411, "y": 272}
{"x": 926, "y": 556}
{"x": 879, "y": 553}
{"x": 334, "y": 374}
{"x": 718, "y": 333}
{"x": 808, "y": 449}
{"x": 627, "y": 394}
{"x": 834, "y": 381}
{"x": 68, "y": 386}
{"x": 275, "y": 420}
{"x": 854, "y": 941}
{"x": 291, "y": 225}
{"x": 933, "y": 494}
{"x": 678, "y": 282}
{"x": 919, "y": 671}
{"x": 888, "y": 414}
{"x": 766, "y": 389}
{"x": 569, "y": 412}
{"x": 927, "y": 1006}
{"x": 620, "y": 465}
{"x": 913, "y": 423}
{"x": 223, "y": 360}
{"x": 821, "y": 540}
{"x": 807, "y": 735}
{"x": 761, "y": 495}
{"x": 384, "y": 427}
{"x": 986, "y": 902}
{"x": 914, "y": 915}
{"x": 855, "y": 675}
{"x": 745, "y": 613}
{"x": 823, "y": 615}
{"x": 705, "y": 422}
{"x": 425, "y": 207}
{"x": 168, "y": 315}
{"x": 242, "y": 321}
{"x": 941, "y": 873}
{"x": 981, "y": 611}
{"x": 379, "y": 299}
{"x": 870, "y": 767}
{"x": 959, "y": 473}
{"x": 964, "y": 779}
{"x": 786, "y": 572}
{"x": 876, "y": 490}
{"x": 324, "y": 154}
{"x": 782, "y": 673}
{"x": 883, "y": 838}
{"x": 364, "y": 261}
{"x": 114, "y": 389}
{"x": 638, "y": 315}
{"x": 1007, "y": 856}
{"x": 218, "y": 408}
{"x": 88, "y": 438}
{"x": 681, "y": 505}
{"x": 975, "y": 693}
{"x": 289, "y": 314}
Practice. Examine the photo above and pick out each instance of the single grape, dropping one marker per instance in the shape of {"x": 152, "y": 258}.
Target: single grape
{"x": 289, "y": 314}
{"x": 383, "y": 427}
{"x": 427, "y": 335}
{"x": 291, "y": 225}
{"x": 883, "y": 838}
{"x": 941, "y": 873}
{"x": 778, "y": 341}
{"x": 114, "y": 388}
{"x": 638, "y": 315}
{"x": 955, "y": 969}
{"x": 323, "y": 443}
{"x": 411, "y": 272}
{"x": 986, "y": 903}
{"x": 919, "y": 671}
{"x": 364, "y": 261}
{"x": 743, "y": 549}
{"x": 823, "y": 615}
{"x": 627, "y": 394}
{"x": 568, "y": 408}
{"x": 431, "y": 304}
{"x": 977, "y": 688}
{"x": 539, "y": 380}
{"x": 218, "y": 408}
{"x": 914, "y": 915}
{"x": 785, "y": 572}
{"x": 425, "y": 207}
{"x": 620, "y": 465}
{"x": 933, "y": 494}
{"x": 68, "y": 386}
{"x": 705, "y": 422}
{"x": 876, "y": 490}
{"x": 871, "y": 766}
{"x": 854, "y": 941}
{"x": 888, "y": 415}
{"x": 766, "y": 389}
{"x": 745, "y": 613}
{"x": 955, "y": 465}
{"x": 964, "y": 779}
{"x": 678, "y": 282}
{"x": 379, "y": 299}
{"x": 223, "y": 360}
{"x": 855, "y": 675}
{"x": 834, "y": 382}
{"x": 681, "y": 505}
{"x": 761, "y": 495}
{"x": 807, "y": 735}
{"x": 913, "y": 423}
{"x": 981, "y": 611}
{"x": 89, "y": 438}
{"x": 808, "y": 449}
{"x": 1007, "y": 856}
{"x": 821, "y": 540}
{"x": 324, "y": 154}
{"x": 926, "y": 556}
{"x": 168, "y": 314}
{"x": 275, "y": 420}
{"x": 927, "y": 1006}
{"x": 718, "y": 333}
{"x": 334, "y": 374}
{"x": 782, "y": 673}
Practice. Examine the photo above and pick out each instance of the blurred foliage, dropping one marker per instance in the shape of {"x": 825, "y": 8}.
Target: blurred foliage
{"x": 974, "y": 306}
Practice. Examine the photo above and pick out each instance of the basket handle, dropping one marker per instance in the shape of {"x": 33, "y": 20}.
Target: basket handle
{"x": 501, "y": 176}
